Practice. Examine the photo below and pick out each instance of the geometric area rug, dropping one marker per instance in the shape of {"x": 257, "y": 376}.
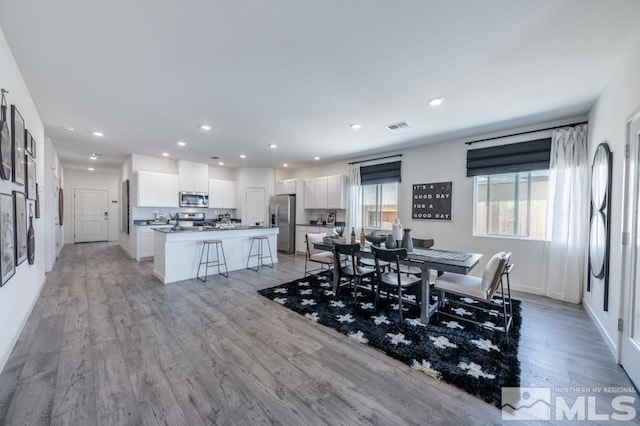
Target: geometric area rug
{"x": 476, "y": 359}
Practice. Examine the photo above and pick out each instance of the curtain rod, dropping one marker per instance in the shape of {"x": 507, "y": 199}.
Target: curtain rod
{"x": 375, "y": 159}
{"x": 525, "y": 133}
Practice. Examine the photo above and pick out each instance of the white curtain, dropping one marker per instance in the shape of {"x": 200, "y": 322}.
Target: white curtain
{"x": 354, "y": 218}
{"x": 568, "y": 216}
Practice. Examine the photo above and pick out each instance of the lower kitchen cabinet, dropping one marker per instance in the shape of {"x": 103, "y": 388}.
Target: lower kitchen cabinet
{"x": 144, "y": 240}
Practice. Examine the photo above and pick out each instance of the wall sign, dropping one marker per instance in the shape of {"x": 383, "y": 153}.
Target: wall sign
{"x": 432, "y": 201}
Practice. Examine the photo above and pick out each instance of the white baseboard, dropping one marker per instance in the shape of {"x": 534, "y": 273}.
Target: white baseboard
{"x": 603, "y": 331}
{"x": 123, "y": 248}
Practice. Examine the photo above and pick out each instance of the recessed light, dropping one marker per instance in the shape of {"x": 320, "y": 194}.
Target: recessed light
{"x": 356, "y": 126}
{"x": 316, "y": 158}
{"x": 91, "y": 169}
{"x": 435, "y": 101}
{"x": 182, "y": 143}
{"x": 205, "y": 127}
{"x": 99, "y": 134}
{"x": 273, "y": 146}
{"x": 165, "y": 154}
{"x": 285, "y": 165}
{"x": 243, "y": 156}
{"x": 69, "y": 129}
{"x": 93, "y": 157}
{"x": 220, "y": 163}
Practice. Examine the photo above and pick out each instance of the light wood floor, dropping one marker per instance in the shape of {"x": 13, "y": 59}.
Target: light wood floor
{"x": 108, "y": 344}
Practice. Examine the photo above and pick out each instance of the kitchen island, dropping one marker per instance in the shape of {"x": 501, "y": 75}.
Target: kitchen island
{"x": 177, "y": 251}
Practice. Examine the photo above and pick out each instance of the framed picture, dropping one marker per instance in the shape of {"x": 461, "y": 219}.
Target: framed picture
{"x": 31, "y": 178}
{"x": 20, "y": 232}
{"x": 17, "y": 146}
{"x": 7, "y": 251}
{"x": 5, "y": 142}
{"x": 331, "y": 217}
{"x": 432, "y": 201}
{"x": 30, "y": 144}
{"x": 37, "y": 201}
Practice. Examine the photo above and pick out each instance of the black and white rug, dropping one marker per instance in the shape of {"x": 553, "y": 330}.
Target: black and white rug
{"x": 476, "y": 359}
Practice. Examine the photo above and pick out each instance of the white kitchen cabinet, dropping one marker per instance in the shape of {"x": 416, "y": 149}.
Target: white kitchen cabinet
{"x": 327, "y": 192}
{"x": 144, "y": 240}
{"x": 194, "y": 177}
{"x": 287, "y": 186}
{"x": 336, "y": 192}
{"x": 222, "y": 194}
{"x": 156, "y": 190}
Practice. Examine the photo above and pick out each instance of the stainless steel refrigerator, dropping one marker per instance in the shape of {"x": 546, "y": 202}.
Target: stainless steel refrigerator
{"x": 282, "y": 214}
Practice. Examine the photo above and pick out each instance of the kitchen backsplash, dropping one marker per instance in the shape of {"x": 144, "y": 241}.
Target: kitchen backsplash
{"x": 145, "y": 213}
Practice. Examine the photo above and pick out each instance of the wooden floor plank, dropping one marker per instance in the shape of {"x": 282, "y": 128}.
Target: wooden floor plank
{"x": 108, "y": 344}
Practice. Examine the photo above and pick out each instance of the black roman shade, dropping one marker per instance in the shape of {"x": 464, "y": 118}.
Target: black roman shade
{"x": 511, "y": 158}
{"x": 380, "y": 173}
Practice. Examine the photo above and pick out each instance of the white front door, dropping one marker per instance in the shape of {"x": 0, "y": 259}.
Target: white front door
{"x": 630, "y": 354}
{"x": 90, "y": 215}
{"x": 256, "y": 207}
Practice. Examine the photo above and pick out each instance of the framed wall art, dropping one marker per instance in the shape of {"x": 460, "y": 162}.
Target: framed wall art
{"x": 30, "y": 144}
{"x": 20, "y": 232}
{"x": 31, "y": 178}
{"x": 5, "y": 141}
{"x": 7, "y": 250}
{"x": 37, "y": 201}
{"x": 17, "y": 146}
{"x": 432, "y": 201}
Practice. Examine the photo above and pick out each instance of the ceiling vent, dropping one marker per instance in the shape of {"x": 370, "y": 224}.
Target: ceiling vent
{"x": 399, "y": 127}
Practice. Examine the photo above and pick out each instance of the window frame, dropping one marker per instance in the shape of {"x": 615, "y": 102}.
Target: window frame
{"x": 516, "y": 219}
{"x": 379, "y": 205}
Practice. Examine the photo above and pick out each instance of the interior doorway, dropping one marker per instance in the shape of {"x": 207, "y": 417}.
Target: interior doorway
{"x": 90, "y": 215}
{"x": 256, "y": 206}
{"x": 630, "y": 345}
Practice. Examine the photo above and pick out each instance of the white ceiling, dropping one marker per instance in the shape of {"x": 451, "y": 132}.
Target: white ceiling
{"x": 297, "y": 73}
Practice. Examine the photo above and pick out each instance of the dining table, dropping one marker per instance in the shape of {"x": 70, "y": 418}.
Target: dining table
{"x": 429, "y": 259}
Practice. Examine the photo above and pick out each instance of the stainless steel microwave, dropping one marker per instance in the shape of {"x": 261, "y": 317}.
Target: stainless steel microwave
{"x": 194, "y": 199}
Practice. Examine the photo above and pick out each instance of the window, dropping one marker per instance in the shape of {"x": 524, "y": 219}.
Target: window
{"x": 511, "y": 204}
{"x": 379, "y": 205}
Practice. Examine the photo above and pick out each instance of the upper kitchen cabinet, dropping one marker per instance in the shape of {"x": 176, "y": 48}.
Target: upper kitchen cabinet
{"x": 156, "y": 190}
{"x": 222, "y": 194}
{"x": 329, "y": 192}
{"x": 336, "y": 192}
{"x": 194, "y": 177}
{"x": 287, "y": 186}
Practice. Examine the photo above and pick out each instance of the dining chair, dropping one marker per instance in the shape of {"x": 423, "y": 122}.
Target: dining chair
{"x": 322, "y": 257}
{"x": 481, "y": 289}
{"x": 351, "y": 270}
{"x": 395, "y": 278}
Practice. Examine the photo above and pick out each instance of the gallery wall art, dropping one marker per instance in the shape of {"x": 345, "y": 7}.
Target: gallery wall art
{"x": 7, "y": 250}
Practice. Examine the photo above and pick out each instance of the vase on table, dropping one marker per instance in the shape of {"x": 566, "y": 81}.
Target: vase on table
{"x": 396, "y": 230}
{"x": 407, "y": 242}
{"x": 390, "y": 242}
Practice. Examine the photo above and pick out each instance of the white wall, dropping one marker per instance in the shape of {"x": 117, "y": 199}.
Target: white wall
{"x": 19, "y": 294}
{"x": 607, "y": 123}
{"x": 77, "y": 179}
{"x": 53, "y": 179}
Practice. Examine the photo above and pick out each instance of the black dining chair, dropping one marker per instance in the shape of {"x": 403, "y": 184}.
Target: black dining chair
{"x": 351, "y": 269}
{"x": 396, "y": 279}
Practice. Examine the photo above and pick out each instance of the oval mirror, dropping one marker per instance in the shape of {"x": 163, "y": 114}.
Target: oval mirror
{"x": 600, "y": 176}
{"x": 597, "y": 244}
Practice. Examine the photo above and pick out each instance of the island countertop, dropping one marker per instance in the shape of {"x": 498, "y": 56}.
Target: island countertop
{"x": 177, "y": 252}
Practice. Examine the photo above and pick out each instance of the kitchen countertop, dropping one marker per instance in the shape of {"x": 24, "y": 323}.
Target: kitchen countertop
{"x": 173, "y": 230}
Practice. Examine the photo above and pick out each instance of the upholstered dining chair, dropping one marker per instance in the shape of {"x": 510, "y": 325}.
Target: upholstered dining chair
{"x": 396, "y": 278}
{"x": 481, "y": 289}
{"x": 322, "y": 257}
{"x": 351, "y": 270}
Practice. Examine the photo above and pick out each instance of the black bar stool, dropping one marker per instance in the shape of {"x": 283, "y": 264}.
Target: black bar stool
{"x": 259, "y": 254}
{"x": 211, "y": 263}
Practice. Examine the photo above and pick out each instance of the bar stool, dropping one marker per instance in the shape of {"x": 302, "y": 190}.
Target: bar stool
{"x": 260, "y": 239}
{"x": 211, "y": 263}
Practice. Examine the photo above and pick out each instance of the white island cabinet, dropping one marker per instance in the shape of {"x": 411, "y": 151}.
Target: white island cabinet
{"x": 177, "y": 253}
